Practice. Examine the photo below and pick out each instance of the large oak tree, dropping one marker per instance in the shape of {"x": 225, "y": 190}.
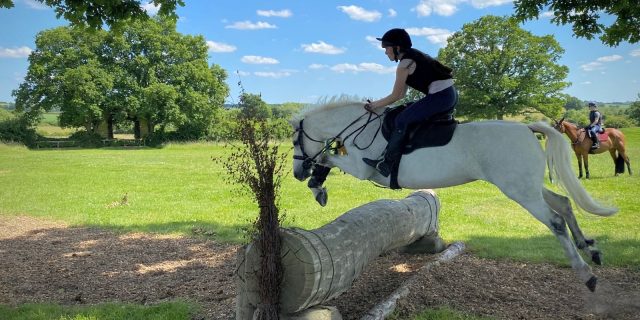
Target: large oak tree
{"x": 147, "y": 73}
{"x": 502, "y": 70}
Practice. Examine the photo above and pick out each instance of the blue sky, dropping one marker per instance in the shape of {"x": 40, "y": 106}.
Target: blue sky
{"x": 300, "y": 51}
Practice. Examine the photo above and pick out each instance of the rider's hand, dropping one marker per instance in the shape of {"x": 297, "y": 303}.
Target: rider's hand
{"x": 367, "y": 106}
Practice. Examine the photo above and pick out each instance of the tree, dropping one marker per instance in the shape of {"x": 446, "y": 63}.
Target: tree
{"x": 573, "y": 103}
{"x": 501, "y": 69}
{"x": 585, "y": 17}
{"x": 634, "y": 110}
{"x": 97, "y": 13}
{"x": 252, "y": 107}
{"x": 146, "y": 72}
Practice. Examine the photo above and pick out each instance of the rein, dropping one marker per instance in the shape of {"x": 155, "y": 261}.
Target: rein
{"x": 309, "y": 162}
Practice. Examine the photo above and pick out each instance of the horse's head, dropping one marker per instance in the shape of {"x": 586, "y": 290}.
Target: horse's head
{"x": 318, "y": 127}
{"x": 559, "y": 125}
{"x": 307, "y": 151}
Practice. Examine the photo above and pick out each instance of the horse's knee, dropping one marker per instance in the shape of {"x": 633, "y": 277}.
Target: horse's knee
{"x": 558, "y": 226}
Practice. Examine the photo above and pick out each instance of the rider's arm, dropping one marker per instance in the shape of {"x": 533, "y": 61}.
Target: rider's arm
{"x": 399, "y": 88}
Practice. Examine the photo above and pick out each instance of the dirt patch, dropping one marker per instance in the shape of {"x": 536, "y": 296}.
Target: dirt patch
{"x": 49, "y": 262}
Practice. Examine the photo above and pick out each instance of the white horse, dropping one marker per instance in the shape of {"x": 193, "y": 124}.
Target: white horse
{"x": 506, "y": 154}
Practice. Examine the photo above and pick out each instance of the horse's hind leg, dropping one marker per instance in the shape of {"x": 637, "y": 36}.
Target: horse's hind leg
{"x": 533, "y": 200}
{"x": 562, "y": 206}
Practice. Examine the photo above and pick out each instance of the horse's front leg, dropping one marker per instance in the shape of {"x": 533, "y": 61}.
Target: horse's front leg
{"x": 318, "y": 176}
{"x": 579, "y": 156}
{"x": 586, "y": 165}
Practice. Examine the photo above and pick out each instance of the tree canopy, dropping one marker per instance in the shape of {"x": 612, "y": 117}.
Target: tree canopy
{"x": 501, "y": 69}
{"x": 147, "y": 73}
{"x": 96, "y": 13}
{"x": 585, "y": 17}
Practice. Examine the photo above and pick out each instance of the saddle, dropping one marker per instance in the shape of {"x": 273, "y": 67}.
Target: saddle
{"x": 435, "y": 132}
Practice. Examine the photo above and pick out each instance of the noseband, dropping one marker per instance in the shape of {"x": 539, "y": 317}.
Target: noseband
{"x": 309, "y": 162}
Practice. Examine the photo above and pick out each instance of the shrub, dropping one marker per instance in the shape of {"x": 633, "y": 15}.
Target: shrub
{"x": 86, "y": 139}
{"x": 15, "y": 128}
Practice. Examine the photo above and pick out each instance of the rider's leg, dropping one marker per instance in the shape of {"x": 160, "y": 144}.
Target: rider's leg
{"x": 594, "y": 136}
{"x": 391, "y": 154}
{"x": 417, "y": 112}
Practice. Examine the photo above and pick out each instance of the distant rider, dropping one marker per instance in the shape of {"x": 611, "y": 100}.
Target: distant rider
{"x": 595, "y": 124}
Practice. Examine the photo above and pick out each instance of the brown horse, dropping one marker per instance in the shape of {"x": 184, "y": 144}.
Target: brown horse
{"x": 581, "y": 144}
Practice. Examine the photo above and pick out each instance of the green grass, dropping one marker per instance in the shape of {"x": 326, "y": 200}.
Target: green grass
{"x": 108, "y": 311}
{"x": 440, "y": 314}
{"x": 179, "y": 188}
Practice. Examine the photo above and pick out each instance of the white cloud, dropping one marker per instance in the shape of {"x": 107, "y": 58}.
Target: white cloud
{"x": 21, "y": 52}
{"x": 248, "y": 25}
{"x": 317, "y": 66}
{"x": 586, "y": 82}
{"x": 220, "y": 47}
{"x": 243, "y": 73}
{"x": 361, "y": 14}
{"x": 276, "y": 75}
{"x": 259, "y": 60}
{"x": 362, "y": 67}
{"x": 33, "y": 4}
{"x": 547, "y": 14}
{"x": 322, "y": 47}
{"x": 434, "y": 35}
{"x": 150, "y": 8}
{"x": 611, "y": 58}
{"x": 440, "y": 7}
{"x": 591, "y": 66}
{"x": 271, "y": 13}
{"x": 392, "y": 13}
{"x": 599, "y": 63}
{"x": 488, "y": 3}
{"x": 635, "y": 53}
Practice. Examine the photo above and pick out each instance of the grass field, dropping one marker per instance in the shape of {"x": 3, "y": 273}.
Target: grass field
{"x": 179, "y": 188}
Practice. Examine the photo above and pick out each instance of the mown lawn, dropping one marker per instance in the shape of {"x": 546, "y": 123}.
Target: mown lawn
{"x": 178, "y": 189}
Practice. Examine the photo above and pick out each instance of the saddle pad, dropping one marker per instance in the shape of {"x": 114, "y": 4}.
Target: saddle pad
{"x": 435, "y": 132}
{"x": 603, "y": 136}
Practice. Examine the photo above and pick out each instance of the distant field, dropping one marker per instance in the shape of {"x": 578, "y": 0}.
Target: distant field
{"x": 179, "y": 189}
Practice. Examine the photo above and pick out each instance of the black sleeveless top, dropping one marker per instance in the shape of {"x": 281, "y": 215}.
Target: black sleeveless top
{"x": 593, "y": 115}
{"x": 427, "y": 70}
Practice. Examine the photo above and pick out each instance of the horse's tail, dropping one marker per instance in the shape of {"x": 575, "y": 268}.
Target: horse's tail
{"x": 559, "y": 163}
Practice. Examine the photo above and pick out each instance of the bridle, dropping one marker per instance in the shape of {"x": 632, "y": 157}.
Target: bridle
{"x": 579, "y": 132}
{"x": 308, "y": 162}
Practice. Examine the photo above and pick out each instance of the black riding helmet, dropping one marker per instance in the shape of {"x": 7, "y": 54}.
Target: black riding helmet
{"x": 396, "y": 37}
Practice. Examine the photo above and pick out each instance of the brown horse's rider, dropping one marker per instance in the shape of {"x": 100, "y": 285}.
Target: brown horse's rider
{"x": 595, "y": 124}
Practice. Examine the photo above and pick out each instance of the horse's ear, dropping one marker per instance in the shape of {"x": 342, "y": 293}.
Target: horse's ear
{"x": 561, "y": 120}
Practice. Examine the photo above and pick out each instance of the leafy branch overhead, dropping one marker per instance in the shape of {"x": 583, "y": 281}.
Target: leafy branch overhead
{"x": 97, "y": 13}
{"x": 586, "y": 17}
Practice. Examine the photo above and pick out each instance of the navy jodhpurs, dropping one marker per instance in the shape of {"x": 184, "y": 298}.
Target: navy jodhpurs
{"x": 426, "y": 107}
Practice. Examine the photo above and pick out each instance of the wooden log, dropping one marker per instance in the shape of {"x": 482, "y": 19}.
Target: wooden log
{"x": 321, "y": 264}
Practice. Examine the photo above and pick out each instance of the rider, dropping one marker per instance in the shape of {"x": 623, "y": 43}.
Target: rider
{"x": 420, "y": 72}
{"x": 595, "y": 124}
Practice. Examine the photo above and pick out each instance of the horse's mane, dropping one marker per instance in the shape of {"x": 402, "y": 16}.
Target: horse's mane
{"x": 324, "y": 104}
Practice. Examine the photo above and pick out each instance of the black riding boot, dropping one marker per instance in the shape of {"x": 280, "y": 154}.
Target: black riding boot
{"x": 391, "y": 154}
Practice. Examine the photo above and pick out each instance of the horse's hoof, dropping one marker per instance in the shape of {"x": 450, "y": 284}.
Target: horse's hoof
{"x": 590, "y": 242}
{"x": 595, "y": 257}
{"x": 322, "y": 197}
{"x": 591, "y": 284}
